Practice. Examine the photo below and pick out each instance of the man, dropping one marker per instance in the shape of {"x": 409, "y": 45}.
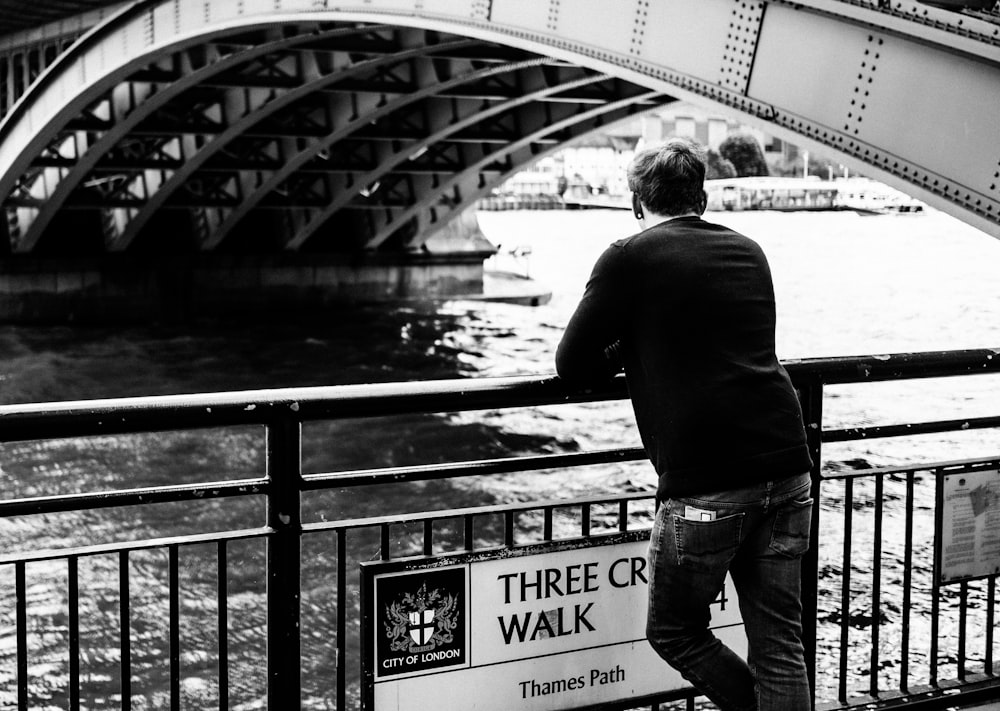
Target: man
{"x": 686, "y": 307}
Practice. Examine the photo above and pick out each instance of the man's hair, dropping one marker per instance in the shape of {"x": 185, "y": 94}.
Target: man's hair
{"x": 669, "y": 179}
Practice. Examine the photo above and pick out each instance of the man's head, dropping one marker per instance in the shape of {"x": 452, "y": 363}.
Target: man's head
{"x": 669, "y": 179}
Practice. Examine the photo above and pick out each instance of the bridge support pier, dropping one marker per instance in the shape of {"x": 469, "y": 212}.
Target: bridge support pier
{"x": 137, "y": 288}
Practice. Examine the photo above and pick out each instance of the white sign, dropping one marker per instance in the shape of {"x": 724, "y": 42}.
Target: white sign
{"x": 549, "y": 627}
{"x": 970, "y": 525}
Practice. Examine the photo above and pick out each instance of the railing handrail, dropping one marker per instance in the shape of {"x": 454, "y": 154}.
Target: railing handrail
{"x": 151, "y": 413}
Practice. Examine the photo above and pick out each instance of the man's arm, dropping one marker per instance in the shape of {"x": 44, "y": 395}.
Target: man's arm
{"x": 590, "y": 347}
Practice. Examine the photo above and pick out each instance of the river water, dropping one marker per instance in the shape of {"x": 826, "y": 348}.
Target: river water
{"x": 845, "y": 284}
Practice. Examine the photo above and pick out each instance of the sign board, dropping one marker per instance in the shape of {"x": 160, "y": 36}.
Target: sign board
{"x": 969, "y": 538}
{"x": 538, "y": 628}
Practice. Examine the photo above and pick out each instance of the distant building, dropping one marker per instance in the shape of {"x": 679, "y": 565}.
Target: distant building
{"x": 709, "y": 129}
{"x": 599, "y": 160}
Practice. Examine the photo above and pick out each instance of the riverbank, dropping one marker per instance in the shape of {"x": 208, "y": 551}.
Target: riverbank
{"x": 859, "y": 195}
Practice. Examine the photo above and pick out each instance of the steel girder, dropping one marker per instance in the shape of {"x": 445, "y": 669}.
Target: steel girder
{"x": 541, "y": 129}
{"x": 350, "y": 113}
{"x": 183, "y": 107}
{"x": 423, "y": 154}
{"x": 115, "y": 134}
{"x": 407, "y": 121}
{"x": 247, "y": 112}
{"x": 247, "y": 122}
{"x": 24, "y": 14}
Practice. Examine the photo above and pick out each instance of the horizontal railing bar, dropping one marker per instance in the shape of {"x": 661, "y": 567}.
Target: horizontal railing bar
{"x": 438, "y": 515}
{"x": 946, "y": 696}
{"x": 897, "y": 366}
{"x": 928, "y": 467}
{"x": 479, "y": 467}
{"x": 133, "y": 497}
{"x": 321, "y": 481}
{"x": 520, "y": 507}
{"x": 145, "y": 544}
{"x": 259, "y": 407}
{"x": 918, "y": 428}
{"x": 362, "y": 477}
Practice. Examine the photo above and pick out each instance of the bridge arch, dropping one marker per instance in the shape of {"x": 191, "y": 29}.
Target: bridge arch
{"x": 368, "y": 125}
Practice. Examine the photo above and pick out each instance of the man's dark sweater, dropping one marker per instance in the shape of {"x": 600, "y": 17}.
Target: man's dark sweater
{"x": 691, "y": 305}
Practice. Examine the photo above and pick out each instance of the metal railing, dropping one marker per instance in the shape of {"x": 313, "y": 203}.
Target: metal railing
{"x": 203, "y": 572}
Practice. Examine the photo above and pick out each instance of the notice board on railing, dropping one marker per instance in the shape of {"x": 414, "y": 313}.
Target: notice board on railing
{"x": 543, "y": 627}
{"x": 968, "y": 540}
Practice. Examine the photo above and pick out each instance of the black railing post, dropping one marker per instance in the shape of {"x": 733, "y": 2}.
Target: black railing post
{"x": 284, "y": 469}
{"x": 811, "y": 397}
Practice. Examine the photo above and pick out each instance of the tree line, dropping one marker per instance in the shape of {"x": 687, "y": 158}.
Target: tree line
{"x": 740, "y": 156}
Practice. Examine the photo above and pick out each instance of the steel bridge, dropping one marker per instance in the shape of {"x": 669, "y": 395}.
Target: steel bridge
{"x": 172, "y": 127}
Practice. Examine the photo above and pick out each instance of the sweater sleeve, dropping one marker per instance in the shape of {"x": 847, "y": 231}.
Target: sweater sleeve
{"x": 590, "y": 347}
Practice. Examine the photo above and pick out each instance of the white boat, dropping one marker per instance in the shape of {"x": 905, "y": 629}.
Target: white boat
{"x": 769, "y": 193}
{"x": 800, "y": 194}
{"x": 871, "y": 197}
{"x": 507, "y": 279}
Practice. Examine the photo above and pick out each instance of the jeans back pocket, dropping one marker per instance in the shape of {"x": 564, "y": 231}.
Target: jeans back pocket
{"x": 790, "y": 532}
{"x": 707, "y": 545}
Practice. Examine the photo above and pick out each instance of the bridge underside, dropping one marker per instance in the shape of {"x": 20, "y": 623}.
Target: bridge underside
{"x": 176, "y": 128}
{"x": 333, "y": 137}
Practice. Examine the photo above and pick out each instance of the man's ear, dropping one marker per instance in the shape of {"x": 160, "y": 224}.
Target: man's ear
{"x": 636, "y": 207}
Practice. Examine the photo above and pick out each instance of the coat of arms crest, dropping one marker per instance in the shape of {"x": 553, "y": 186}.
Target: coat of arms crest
{"x": 421, "y": 621}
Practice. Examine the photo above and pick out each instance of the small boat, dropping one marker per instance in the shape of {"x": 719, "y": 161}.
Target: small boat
{"x": 506, "y": 278}
{"x": 512, "y": 288}
{"x": 869, "y": 197}
{"x": 861, "y": 195}
{"x": 766, "y": 193}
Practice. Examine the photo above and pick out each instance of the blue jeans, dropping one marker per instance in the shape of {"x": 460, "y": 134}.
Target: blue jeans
{"x": 758, "y": 534}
